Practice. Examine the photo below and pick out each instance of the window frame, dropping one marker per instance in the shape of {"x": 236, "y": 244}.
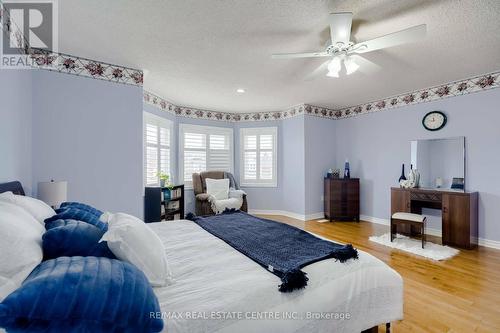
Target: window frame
{"x": 246, "y": 131}
{"x": 207, "y": 130}
{"x": 160, "y": 122}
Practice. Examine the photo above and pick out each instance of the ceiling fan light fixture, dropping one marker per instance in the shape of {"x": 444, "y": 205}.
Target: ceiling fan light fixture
{"x": 350, "y": 66}
{"x": 332, "y": 74}
{"x": 334, "y": 67}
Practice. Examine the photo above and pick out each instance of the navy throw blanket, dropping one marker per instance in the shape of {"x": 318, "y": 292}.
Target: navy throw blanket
{"x": 280, "y": 248}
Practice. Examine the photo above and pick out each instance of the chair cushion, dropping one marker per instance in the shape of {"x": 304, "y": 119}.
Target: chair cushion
{"x": 218, "y": 188}
{"x": 408, "y": 217}
{"x": 212, "y": 175}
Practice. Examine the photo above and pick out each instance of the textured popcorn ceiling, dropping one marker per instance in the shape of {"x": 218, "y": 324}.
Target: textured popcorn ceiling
{"x": 198, "y": 52}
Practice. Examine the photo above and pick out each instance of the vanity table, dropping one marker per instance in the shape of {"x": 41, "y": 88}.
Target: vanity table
{"x": 459, "y": 211}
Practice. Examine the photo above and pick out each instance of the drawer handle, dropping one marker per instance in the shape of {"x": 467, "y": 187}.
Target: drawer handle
{"x": 445, "y": 210}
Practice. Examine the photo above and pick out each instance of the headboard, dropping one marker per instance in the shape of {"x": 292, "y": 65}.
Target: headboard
{"x": 15, "y": 187}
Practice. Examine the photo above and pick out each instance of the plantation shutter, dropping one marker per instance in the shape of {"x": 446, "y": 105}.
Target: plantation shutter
{"x": 157, "y": 132}
{"x": 258, "y": 156}
{"x": 205, "y": 148}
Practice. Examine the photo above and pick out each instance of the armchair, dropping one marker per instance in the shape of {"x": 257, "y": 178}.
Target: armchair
{"x": 202, "y": 206}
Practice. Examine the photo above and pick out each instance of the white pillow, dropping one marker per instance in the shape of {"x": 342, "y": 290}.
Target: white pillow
{"x": 106, "y": 217}
{"x": 37, "y": 208}
{"x": 219, "y": 188}
{"x": 20, "y": 246}
{"x": 131, "y": 240}
{"x": 25, "y": 219}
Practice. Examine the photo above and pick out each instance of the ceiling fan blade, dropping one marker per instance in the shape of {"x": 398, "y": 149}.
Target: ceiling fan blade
{"x": 299, "y": 55}
{"x": 409, "y": 35}
{"x": 340, "y": 27}
{"x": 365, "y": 65}
{"x": 321, "y": 70}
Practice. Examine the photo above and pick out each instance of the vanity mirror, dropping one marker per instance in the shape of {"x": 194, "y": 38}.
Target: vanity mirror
{"x": 440, "y": 162}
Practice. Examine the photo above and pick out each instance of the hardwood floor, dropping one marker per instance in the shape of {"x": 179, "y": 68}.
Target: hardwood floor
{"x": 461, "y": 294}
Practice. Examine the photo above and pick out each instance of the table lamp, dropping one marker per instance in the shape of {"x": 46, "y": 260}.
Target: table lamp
{"x": 53, "y": 193}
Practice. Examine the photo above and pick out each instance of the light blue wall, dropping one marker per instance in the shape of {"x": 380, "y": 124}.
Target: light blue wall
{"x": 293, "y": 166}
{"x": 320, "y": 155}
{"x": 15, "y": 127}
{"x": 290, "y": 187}
{"x": 89, "y": 132}
{"x": 378, "y": 143}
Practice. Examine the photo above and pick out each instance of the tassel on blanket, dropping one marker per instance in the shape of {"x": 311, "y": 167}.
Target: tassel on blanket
{"x": 345, "y": 253}
{"x": 293, "y": 279}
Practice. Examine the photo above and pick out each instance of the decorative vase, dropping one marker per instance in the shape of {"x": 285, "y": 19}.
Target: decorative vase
{"x": 347, "y": 171}
{"x": 402, "y": 177}
{"x": 166, "y": 194}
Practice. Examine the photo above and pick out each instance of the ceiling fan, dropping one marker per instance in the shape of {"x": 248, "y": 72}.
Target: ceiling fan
{"x": 341, "y": 49}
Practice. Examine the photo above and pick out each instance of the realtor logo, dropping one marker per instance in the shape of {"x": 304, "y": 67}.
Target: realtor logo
{"x": 27, "y": 25}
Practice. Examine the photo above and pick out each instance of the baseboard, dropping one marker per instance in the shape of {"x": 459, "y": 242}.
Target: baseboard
{"x": 489, "y": 243}
{"x": 431, "y": 231}
{"x": 292, "y": 215}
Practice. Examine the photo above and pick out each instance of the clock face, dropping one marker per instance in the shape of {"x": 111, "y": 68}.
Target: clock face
{"x": 434, "y": 120}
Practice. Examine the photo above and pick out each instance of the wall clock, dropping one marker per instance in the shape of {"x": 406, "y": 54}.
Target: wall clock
{"x": 434, "y": 120}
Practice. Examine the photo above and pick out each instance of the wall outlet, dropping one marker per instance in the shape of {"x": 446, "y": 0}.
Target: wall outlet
{"x": 322, "y": 198}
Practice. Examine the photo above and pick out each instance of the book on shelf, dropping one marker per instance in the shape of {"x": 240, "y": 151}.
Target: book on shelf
{"x": 173, "y": 205}
{"x": 176, "y": 193}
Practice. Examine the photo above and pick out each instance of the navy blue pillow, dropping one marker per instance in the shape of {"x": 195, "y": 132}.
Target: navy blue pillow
{"x": 74, "y": 238}
{"x": 82, "y": 294}
{"x": 81, "y": 206}
{"x": 59, "y": 223}
{"x": 80, "y": 215}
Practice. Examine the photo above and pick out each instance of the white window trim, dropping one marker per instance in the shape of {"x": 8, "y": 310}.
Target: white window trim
{"x": 205, "y": 130}
{"x": 257, "y": 131}
{"x": 163, "y": 122}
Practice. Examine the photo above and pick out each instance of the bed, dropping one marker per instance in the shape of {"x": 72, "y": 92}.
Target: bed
{"x": 218, "y": 289}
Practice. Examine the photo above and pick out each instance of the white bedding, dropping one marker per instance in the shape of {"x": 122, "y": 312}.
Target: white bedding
{"x": 218, "y": 289}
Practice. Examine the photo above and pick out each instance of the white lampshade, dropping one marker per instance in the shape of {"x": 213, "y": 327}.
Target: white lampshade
{"x": 53, "y": 193}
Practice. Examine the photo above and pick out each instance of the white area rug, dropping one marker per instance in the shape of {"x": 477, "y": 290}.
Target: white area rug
{"x": 431, "y": 250}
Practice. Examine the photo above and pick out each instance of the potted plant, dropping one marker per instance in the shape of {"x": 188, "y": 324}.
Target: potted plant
{"x": 164, "y": 182}
{"x": 164, "y": 179}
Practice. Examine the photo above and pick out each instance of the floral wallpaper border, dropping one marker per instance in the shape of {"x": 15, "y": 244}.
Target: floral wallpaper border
{"x": 163, "y": 104}
{"x": 456, "y": 88}
{"x": 69, "y": 64}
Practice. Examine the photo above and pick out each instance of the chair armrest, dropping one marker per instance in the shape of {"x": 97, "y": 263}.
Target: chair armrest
{"x": 202, "y": 197}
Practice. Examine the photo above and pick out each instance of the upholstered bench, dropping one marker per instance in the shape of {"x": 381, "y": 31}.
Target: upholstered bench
{"x": 411, "y": 219}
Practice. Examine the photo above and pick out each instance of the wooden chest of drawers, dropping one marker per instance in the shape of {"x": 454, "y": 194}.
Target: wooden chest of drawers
{"x": 342, "y": 199}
